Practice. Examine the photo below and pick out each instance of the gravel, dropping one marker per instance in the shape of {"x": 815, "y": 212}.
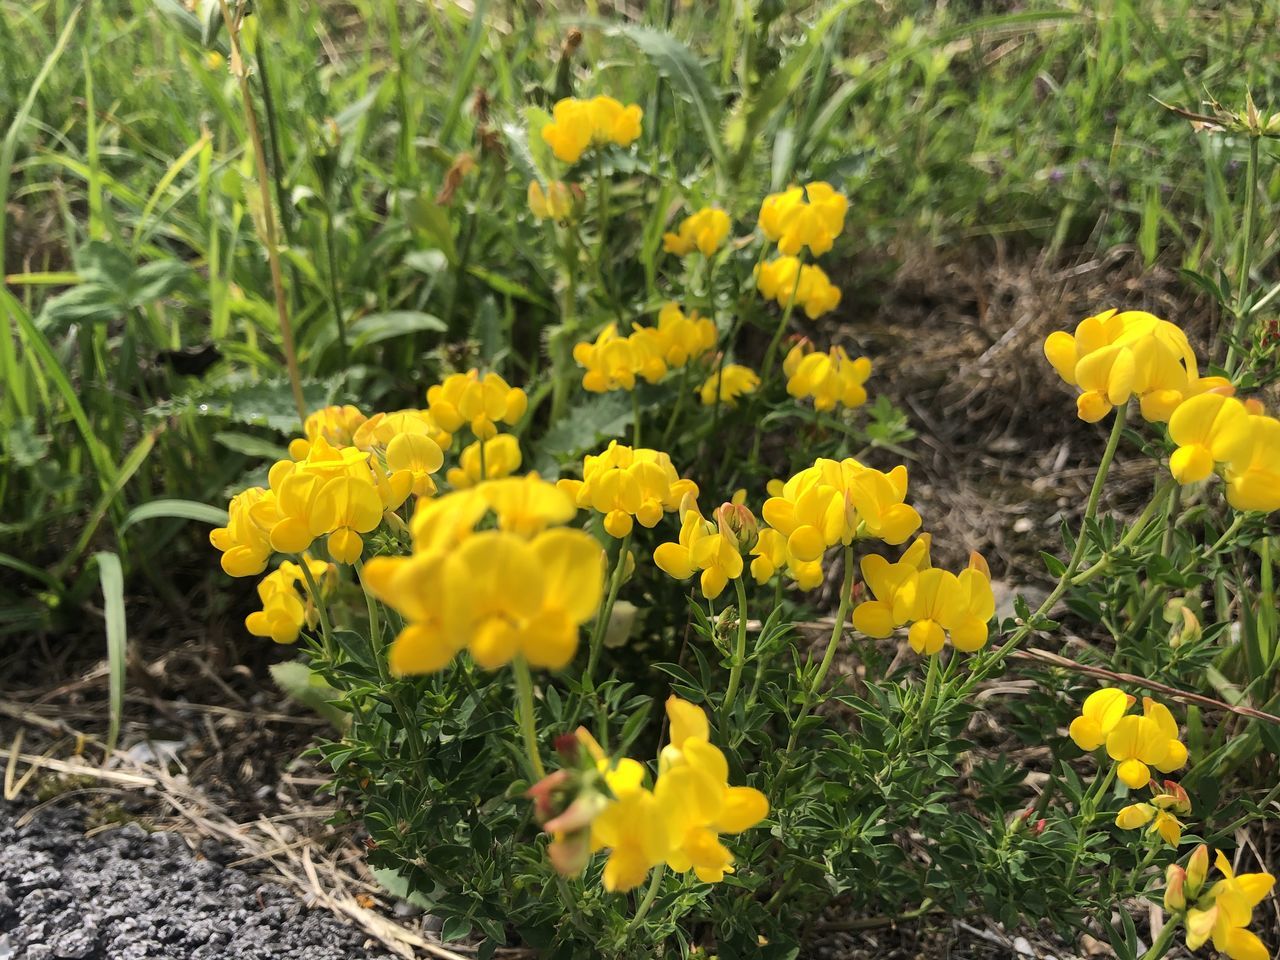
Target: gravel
{"x": 126, "y": 894}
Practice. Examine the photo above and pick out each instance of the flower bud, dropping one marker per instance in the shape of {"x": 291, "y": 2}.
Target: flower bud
{"x": 1184, "y": 625}
{"x": 738, "y": 525}
{"x": 1175, "y": 897}
{"x": 1197, "y": 870}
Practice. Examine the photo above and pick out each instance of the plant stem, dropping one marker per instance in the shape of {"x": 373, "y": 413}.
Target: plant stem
{"x": 1163, "y": 942}
{"x": 268, "y": 212}
{"x": 1246, "y": 257}
{"x": 643, "y": 908}
{"x": 771, "y": 354}
{"x": 739, "y": 654}
{"x": 846, "y": 601}
{"x": 679, "y": 404}
{"x": 332, "y": 257}
{"x": 528, "y": 724}
{"x": 606, "y": 611}
{"x": 1163, "y": 495}
{"x": 1086, "y": 815}
{"x": 314, "y": 589}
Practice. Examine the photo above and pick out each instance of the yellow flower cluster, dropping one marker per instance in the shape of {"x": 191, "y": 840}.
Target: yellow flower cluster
{"x": 614, "y": 362}
{"x": 501, "y": 458}
{"x": 788, "y": 281}
{"x": 479, "y": 401}
{"x": 715, "y": 549}
{"x": 1221, "y": 913}
{"x": 730, "y": 382}
{"x": 833, "y": 502}
{"x": 795, "y": 221}
{"x": 337, "y": 425}
{"x": 1115, "y": 356}
{"x": 284, "y": 610}
{"x": 1161, "y": 813}
{"x": 830, "y": 378}
{"x": 554, "y": 203}
{"x": 703, "y": 231}
{"x": 679, "y": 821}
{"x": 937, "y": 603}
{"x": 627, "y": 485}
{"x": 1136, "y": 743}
{"x": 577, "y": 125}
{"x": 520, "y": 589}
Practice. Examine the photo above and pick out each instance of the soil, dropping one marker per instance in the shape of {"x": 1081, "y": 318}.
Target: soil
{"x": 126, "y": 894}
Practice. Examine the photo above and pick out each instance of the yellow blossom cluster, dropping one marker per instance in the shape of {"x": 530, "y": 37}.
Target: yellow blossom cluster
{"x": 478, "y": 401}
{"x": 714, "y": 548}
{"x": 1222, "y": 912}
{"x": 829, "y": 378}
{"x": 628, "y": 485}
{"x": 519, "y": 587}
{"x": 727, "y": 384}
{"x": 1160, "y": 816}
{"x": 490, "y": 459}
{"x": 614, "y": 362}
{"x": 1136, "y": 743}
{"x": 936, "y": 603}
{"x": 678, "y": 821}
{"x": 704, "y": 231}
{"x": 285, "y": 610}
{"x": 577, "y": 125}
{"x": 788, "y": 281}
{"x": 1217, "y": 433}
{"x": 811, "y": 216}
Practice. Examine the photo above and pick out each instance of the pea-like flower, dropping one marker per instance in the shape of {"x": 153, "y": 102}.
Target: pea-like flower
{"x": 577, "y": 125}
{"x": 1138, "y": 743}
{"x": 376, "y": 433}
{"x": 795, "y": 221}
{"x": 477, "y": 400}
{"x": 1224, "y": 912}
{"x": 704, "y": 231}
{"x": 787, "y": 281}
{"x": 337, "y": 424}
{"x": 244, "y": 543}
{"x": 345, "y": 508}
{"x": 629, "y": 485}
{"x": 633, "y": 827}
{"x": 938, "y": 604}
{"x": 728, "y": 383}
{"x": 284, "y": 610}
{"x": 613, "y": 362}
{"x": 554, "y": 203}
{"x": 1253, "y": 474}
{"x": 1102, "y": 710}
{"x": 681, "y": 337}
{"x": 829, "y": 378}
{"x": 878, "y": 617}
{"x": 1161, "y": 813}
{"x": 502, "y": 458}
{"x": 1208, "y": 429}
{"x": 715, "y": 549}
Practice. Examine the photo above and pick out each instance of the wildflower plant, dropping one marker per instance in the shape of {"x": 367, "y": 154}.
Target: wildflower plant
{"x": 590, "y": 612}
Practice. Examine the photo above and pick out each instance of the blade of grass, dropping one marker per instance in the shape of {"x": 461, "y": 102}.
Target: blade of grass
{"x": 111, "y": 577}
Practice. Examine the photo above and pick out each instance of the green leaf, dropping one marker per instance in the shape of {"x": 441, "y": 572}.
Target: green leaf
{"x": 430, "y": 220}
{"x": 175, "y": 510}
{"x": 375, "y": 327}
{"x": 508, "y": 286}
{"x": 585, "y": 426}
{"x": 455, "y": 928}
{"x": 300, "y": 683}
{"x": 249, "y": 445}
{"x": 111, "y": 578}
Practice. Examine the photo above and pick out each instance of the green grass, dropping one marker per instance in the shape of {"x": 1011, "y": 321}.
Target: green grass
{"x": 130, "y": 226}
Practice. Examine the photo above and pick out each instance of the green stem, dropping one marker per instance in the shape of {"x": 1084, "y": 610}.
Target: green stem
{"x": 528, "y": 724}
{"x": 606, "y": 611}
{"x": 484, "y": 470}
{"x": 1171, "y": 520}
{"x": 1165, "y": 940}
{"x": 635, "y": 419}
{"x": 739, "y": 654}
{"x": 930, "y": 684}
{"x": 643, "y": 908}
{"x": 1246, "y": 258}
{"x": 375, "y": 624}
{"x": 1086, "y": 815}
{"x": 558, "y": 345}
{"x": 771, "y": 354}
{"x": 334, "y": 299}
{"x": 325, "y": 629}
{"x": 846, "y": 601}
{"x": 1162, "y": 496}
{"x": 679, "y": 404}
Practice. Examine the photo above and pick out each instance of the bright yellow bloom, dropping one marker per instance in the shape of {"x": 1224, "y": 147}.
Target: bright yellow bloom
{"x": 519, "y": 590}
{"x": 577, "y": 125}
{"x": 703, "y": 546}
{"x": 938, "y": 603}
{"x": 479, "y": 401}
{"x": 244, "y": 543}
{"x": 283, "y": 610}
{"x": 1161, "y": 813}
{"x": 1102, "y": 710}
{"x": 1208, "y": 429}
{"x": 288, "y": 515}
{"x": 769, "y": 555}
{"x": 379, "y": 430}
{"x": 632, "y": 826}
{"x": 829, "y": 378}
{"x": 1225, "y": 911}
{"x": 786, "y": 278}
{"x": 693, "y": 791}
{"x": 613, "y": 362}
{"x": 628, "y": 485}
{"x": 1253, "y": 476}
{"x": 795, "y": 224}
{"x": 555, "y": 203}
{"x": 336, "y": 424}
{"x": 730, "y": 382}
{"x": 680, "y": 337}
{"x": 417, "y": 455}
{"x": 877, "y": 617}
{"x": 703, "y": 231}
{"x": 502, "y": 458}
{"x": 345, "y": 508}
{"x": 1139, "y": 743}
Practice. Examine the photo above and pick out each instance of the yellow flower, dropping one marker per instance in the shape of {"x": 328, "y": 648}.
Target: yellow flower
{"x": 1253, "y": 476}
{"x": 730, "y": 382}
{"x": 577, "y": 125}
{"x": 829, "y": 378}
{"x": 417, "y": 455}
{"x": 1226, "y": 910}
{"x": 794, "y": 223}
{"x": 682, "y": 338}
{"x": 1161, "y": 813}
{"x": 1102, "y": 710}
{"x": 380, "y": 429}
{"x": 519, "y": 590}
{"x": 336, "y": 424}
{"x": 632, "y": 826}
{"x": 693, "y": 791}
{"x": 769, "y": 554}
{"x": 283, "y": 611}
{"x": 555, "y": 203}
{"x": 613, "y": 362}
{"x": 288, "y": 515}
{"x": 479, "y": 401}
{"x": 244, "y": 543}
{"x": 877, "y": 617}
{"x": 628, "y": 485}
{"x": 1208, "y": 429}
{"x": 702, "y": 546}
{"x": 785, "y": 279}
{"x": 1151, "y": 740}
{"x": 502, "y": 458}
{"x": 938, "y": 603}
{"x": 703, "y": 231}
{"x": 345, "y": 508}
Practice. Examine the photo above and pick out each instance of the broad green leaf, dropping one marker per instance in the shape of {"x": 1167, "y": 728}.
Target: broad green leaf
{"x": 375, "y": 327}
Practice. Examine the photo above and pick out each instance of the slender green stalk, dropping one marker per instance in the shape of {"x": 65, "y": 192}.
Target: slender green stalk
{"x": 846, "y": 601}
{"x": 528, "y": 723}
{"x": 606, "y": 611}
{"x": 772, "y": 353}
{"x": 1086, "y": 816}
{"x": 1246, "y": 258}
{"x": 739, "y": 653}
{"x": 273, "y": 137}
{"x": 334, "y": 299}
{"x": 678, "y": 406}
{"x": 375, "y": 623}
{"x": 1162, "y": 943}
{"x": 326, "y": 631}
{"x": 643, "y": 908}
{"x": 1164, "y": 495}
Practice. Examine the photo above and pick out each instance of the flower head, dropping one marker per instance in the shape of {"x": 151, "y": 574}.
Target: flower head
{"x": 479, "y": 401}
{"x": 795, "y": 221}
{"x": 704, "y": 231}
{"x": 1223, "y": 913}
{"x": 1102, "y": 710}
{"x": 787, "y": 281}
{"x": 728, "y": 383}
{"x": 628, "y": 485}
{"x": 501, "y": 458}
{"x": 830, "y": 378}
{"x": 554, "y": 203}
{"x": 1139, "y": 743}
{"x": 577, "y": 125}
